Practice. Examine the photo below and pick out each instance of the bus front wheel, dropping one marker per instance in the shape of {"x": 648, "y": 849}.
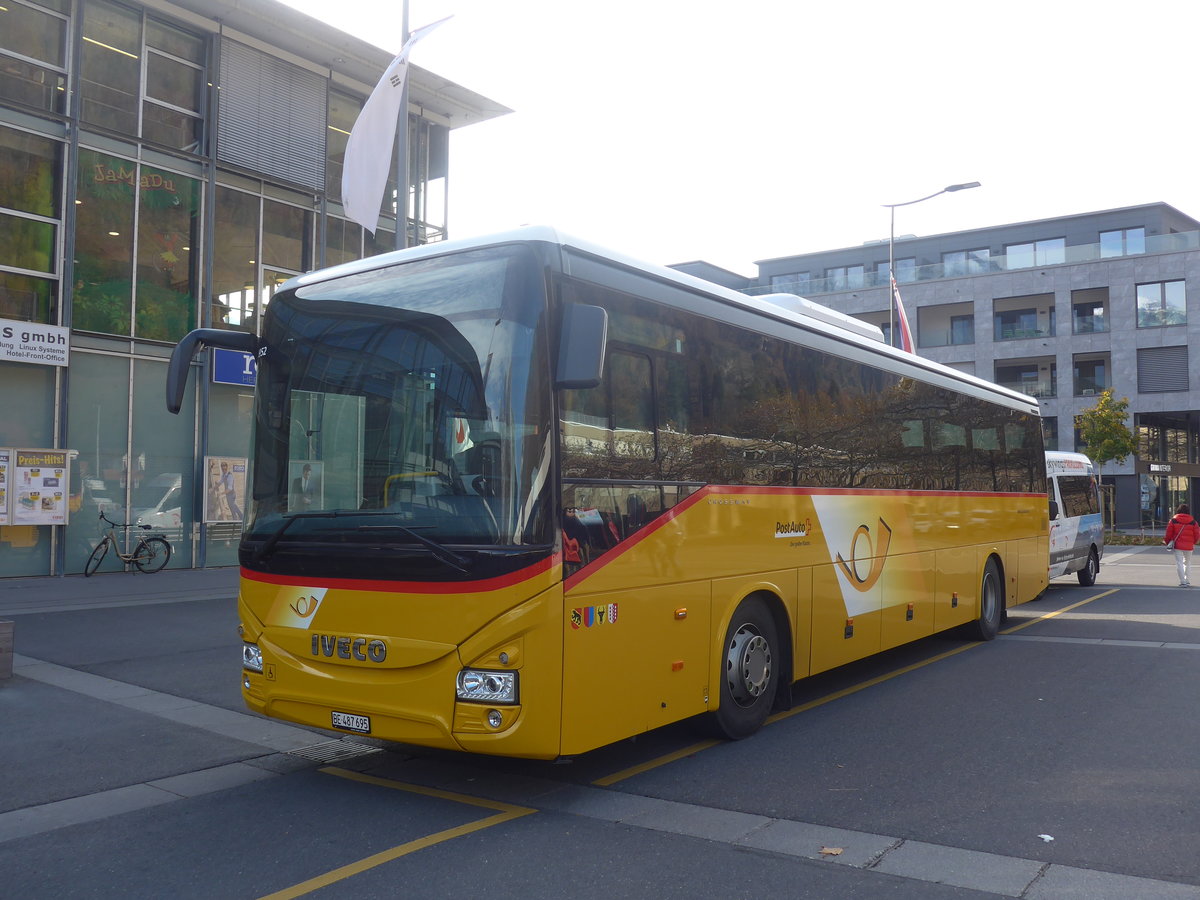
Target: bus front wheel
{"x": 750, "y": 670}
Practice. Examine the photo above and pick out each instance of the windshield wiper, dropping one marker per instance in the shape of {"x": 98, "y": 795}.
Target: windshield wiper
{"x": 440, "y": 551}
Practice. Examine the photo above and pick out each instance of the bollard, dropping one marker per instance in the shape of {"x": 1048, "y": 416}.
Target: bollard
{"x": 6, "y": 649}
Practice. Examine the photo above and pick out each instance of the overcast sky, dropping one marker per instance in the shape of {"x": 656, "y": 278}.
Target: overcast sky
{"x": 676, "y": 130}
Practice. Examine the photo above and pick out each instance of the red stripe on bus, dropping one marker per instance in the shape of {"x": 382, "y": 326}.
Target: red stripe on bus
{"x": 412, "y": 587}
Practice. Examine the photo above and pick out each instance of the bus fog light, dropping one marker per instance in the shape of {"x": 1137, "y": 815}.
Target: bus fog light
{"x": 481, "y": 686}
{"x": 495, "y": 719}
{"x": 245, "y": 682}
{"x": 252, "y": 657}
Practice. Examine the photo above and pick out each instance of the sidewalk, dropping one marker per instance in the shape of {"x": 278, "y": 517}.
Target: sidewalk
{"x": 19, "y": 596}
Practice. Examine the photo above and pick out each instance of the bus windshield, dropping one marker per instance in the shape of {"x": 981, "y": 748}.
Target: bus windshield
{"x": 405, "y": 410}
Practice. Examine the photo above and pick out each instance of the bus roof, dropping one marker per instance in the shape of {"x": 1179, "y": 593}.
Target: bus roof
{"x": 788, "y": 308}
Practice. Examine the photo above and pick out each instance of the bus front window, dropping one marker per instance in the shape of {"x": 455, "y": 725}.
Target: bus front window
{"x": 403, "y": 412}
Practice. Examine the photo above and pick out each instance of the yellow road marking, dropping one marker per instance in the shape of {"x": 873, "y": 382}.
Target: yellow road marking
{"x": 829, "y": 698}
{"x": 506, "y": 813}
{"x": 654, "y": 763}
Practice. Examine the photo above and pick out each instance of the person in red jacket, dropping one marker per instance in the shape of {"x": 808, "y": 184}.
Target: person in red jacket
{"x": 1185, "y": 532}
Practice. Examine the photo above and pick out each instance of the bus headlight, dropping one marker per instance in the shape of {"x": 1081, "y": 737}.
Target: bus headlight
{"x": 480, "y": 686}
{"x": 251, "y": 657}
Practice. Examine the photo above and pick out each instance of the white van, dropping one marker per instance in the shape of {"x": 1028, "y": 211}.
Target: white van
{"x": 1076, "y": 529}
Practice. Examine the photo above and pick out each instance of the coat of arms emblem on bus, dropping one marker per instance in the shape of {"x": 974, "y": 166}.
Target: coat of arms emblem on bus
{"x": 876, "y": 554}
{"x": 587, "y": 616}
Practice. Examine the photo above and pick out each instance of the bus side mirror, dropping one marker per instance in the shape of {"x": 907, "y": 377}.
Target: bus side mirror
{"x": 181, "y": 357}
{"x": 1053, "y": 510}
{"x": 581, "y": 347}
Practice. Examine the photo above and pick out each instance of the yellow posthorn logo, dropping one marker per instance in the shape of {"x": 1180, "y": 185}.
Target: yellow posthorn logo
{"x": 877, "y": 555}
{"x": 305, "y": 606}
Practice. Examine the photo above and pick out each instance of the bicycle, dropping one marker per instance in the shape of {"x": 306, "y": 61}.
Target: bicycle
{"x": 150, "y": 555}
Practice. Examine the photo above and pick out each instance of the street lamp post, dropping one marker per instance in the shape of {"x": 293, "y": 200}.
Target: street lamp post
{"x": 948, "y": 189}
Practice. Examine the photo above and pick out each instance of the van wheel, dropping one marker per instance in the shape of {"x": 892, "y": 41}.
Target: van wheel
{"x": 749, "y": 671}
{"x": 1087, "y": 575}
{"x": 991, "y": 605}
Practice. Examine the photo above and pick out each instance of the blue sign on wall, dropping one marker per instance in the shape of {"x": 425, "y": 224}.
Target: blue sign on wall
{"x": 233, "y": 367}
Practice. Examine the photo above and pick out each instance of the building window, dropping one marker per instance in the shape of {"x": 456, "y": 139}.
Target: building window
{"x": 29, "y": 222}
{"x": 844, "y": 278}
{"x": 792, "y": 283}
{"x": 1037, "y": 253}
{"x": 962, "y": 329}
{"x": 1050, "y": 432}
{"x": 906, "y": 271}
{"x": 1122, "y": 242}
{"x": 114, "y": 47}
{"x": 966, "y": 262}
{"x": 1091, "y": 375}
{"x": 1015, "y": 324}
{"x": 1162, "y": 369}
{"x": 1032, "y": 378}
{"x": 33, "y": 53}
{"x": 1088, "y": 311}
{"x": 1161, "y": 303}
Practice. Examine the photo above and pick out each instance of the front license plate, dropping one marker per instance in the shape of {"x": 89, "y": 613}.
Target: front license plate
{"x": 351, "y": 722}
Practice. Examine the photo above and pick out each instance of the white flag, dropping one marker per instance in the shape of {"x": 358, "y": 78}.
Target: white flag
{"x": 369, "y": 150}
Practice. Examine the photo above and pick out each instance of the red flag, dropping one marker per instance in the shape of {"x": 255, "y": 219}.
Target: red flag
{"x": 906, "y": 339}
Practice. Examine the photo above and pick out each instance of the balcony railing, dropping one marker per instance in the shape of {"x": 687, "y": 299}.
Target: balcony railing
{"x": 1040, "y": 389}
{"x": 1090, "y": 324}
{"x": 1016, "y": 333}
{"x": 1155, "y": 243}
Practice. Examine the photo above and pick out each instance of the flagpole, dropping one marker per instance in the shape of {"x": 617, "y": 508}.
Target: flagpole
{"x": 949, "y": 189}
{"x": 402, "y": 148}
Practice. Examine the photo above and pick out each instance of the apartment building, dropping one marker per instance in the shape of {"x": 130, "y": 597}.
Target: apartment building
{"x": 1060, "y": 309}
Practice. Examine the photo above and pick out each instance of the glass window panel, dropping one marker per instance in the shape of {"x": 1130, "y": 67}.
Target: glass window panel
{"x": 1135, "y": 240}
{"x": 103, "y": 286}
{"x": 33, "y": 85}
{"x": 1175, "y": 302}
{"x": 98, "y": 426}
{"x": 162, "y": 469}
{"x": 26, "y": 298}
{"x": 1112, "y": 243}
{"x": 178, "y": 43}
{"x": 33, "y": 33}
{"x": 28, "y": 421}
{"x": 382, "y": 241}
{"x": 287, "y": 236}
{"x": 342, "y": 112}
{"x": 111, "y": 66}
{"x": 1051, "y": 252}
{"x": 235, "y": 259}
{"x": 174, "y": 82}
{"x": 168, "y": 230}
{"x": 229, "y": 414}
{"x": 954, "y": 263}
{"x": 343, "y": 241}
{"x": 1020, "y": 256}
{"x": 26, "y": 243}
{"x": 32, "y": 167}
{"x": 170, "y": 127}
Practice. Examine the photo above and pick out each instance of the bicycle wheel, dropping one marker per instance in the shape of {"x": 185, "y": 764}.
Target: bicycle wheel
{"x": 96, "y": 558}
{"x": 152, "y": 554}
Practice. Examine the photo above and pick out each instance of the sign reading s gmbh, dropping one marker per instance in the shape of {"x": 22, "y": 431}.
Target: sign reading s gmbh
{"x": 31, "y": 342}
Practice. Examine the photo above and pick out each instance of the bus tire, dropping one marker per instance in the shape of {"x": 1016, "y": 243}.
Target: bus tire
{"x": 991, "y": 604}
{"x": 750, "y": 666}
{"x": 1087, "y": 575}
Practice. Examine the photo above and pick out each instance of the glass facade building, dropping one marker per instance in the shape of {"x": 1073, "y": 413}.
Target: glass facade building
{"x": 164, "y": 167}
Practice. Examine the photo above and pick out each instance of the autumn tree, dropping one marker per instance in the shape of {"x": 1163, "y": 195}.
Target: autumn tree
{"x": 1103, "y": 431}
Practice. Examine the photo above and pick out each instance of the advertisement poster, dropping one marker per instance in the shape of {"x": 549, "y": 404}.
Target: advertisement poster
{"x": 305, "y": 478}
{"x": 5, "y": 460}
{"x": 224, "y": 488}
{"x": 39, "y": 487}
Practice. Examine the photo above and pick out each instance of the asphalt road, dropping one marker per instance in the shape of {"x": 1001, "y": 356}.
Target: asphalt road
{"x": 1059, "y": 761}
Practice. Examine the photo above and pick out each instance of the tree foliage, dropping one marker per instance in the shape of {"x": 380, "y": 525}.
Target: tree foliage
{"x": 1103, "y": 431}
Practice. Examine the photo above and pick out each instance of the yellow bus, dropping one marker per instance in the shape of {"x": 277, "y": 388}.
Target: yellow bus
{"x": 524, "y": 496}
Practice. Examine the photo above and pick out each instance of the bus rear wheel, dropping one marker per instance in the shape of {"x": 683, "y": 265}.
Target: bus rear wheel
{"x": 991, "y": 604}
{"x": 1087, "y": 575}
{"x": 749, "y": 671}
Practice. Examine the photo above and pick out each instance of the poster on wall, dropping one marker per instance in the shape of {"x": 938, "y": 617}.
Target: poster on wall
{"x": 39, "y": 487}
{"x": 224, "y": 488}
{"x": 307, "y": 485}
{"x": 5, "y": 460}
